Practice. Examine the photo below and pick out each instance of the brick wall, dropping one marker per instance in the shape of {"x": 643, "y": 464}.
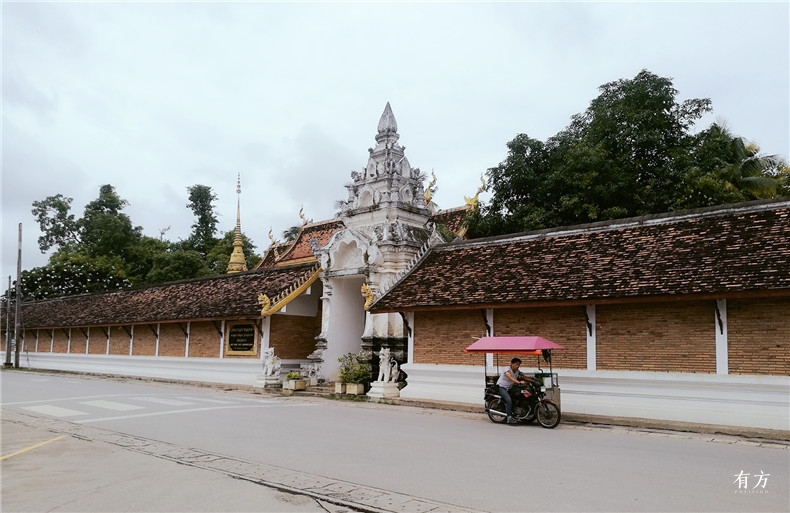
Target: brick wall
{"x": 759, "y": 336}
{"x": 664, "y": 337}
{"x": 172, "y": 341}
{"x": 292, "y": 336}
{"x": 144, "y": 340}
{"x": 119, "y": 340}
{"x": 79, "y": 340}
{"x": 203, "y": 340}
{"x": 564, "y": 325}
{"x": 441, "y": 337}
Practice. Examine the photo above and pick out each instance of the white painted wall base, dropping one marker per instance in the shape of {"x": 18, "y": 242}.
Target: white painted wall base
{"x": 727, "y": 400}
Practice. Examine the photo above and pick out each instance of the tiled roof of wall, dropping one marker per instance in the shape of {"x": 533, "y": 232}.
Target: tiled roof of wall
{"x": 737, "y": 248}
{"x": 215, "y": 297}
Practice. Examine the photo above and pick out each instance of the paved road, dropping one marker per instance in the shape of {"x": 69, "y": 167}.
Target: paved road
{"x": 319, "y": 455}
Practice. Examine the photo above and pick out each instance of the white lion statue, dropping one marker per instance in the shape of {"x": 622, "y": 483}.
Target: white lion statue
{"x": 388, "y": 367}
{"x": 271, "y": 363}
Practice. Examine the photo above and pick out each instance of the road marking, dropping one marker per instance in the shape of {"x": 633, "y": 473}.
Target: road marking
{"x": 161, "y": 400}
{"x": 112, "y": 405}
{"x": 201, "y": 399}
{"x": 171, "y": 412}
{"x": 32, "y": 447}
{"x": 54, "y": 411}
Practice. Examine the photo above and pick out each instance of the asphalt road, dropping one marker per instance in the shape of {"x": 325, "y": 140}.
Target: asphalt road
{"x": 130, "y": 445}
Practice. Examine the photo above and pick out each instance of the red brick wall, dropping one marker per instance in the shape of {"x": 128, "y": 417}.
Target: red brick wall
{"x": 440, "y": 337}
{"x": 119, "y": 340}
{"x": 292, "y": 336}
{"x": 204, "y": 340}
{"x": 664, "y": 337}
{"x": 79, "y": 341}
{"x": 759, "y": 336}
{"x": 172, "y": 341}
{"x": 563, "y": 325}
{"x": 144, "y": 340}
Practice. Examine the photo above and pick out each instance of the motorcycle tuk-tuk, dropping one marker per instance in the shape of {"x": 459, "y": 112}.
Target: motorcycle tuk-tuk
{"x": 545, "y": 396}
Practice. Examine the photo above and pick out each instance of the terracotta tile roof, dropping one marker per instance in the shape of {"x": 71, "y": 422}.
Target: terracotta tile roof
{"x": 215, "y": 297}
{"x": 299, "y": 250}
{"x": 452, "y": 218}
{"x": 717, "y": 251}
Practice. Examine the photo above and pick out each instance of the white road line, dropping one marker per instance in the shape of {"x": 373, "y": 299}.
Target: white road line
{"x": 112, "y": 405}
{"x": 203, "y": 400}
{"x": 161, "y": 400}
{"x": 54, "y": 411}
{"x": 171, "y": 412}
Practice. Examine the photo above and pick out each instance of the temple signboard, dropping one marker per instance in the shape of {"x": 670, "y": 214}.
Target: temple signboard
{"x": 242, "y": 338}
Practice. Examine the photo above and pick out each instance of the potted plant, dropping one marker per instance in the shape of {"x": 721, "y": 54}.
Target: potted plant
{"x": 294, "y": 381}
{"x": 354, "y": 373}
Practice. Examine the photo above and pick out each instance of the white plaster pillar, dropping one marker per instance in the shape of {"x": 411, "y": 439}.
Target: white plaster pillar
{"x": 158, "y": 325}
{"x": 222, "y": 340}
{"x": 68, "y": 344}
{"x": 52, "y": 340}
{"x": 410, "y": 337}
{"x": 186, "y": 346}
{"x": 131, "y": 341}
{"x": 490, "y": 333}
{"x": 591, "y": 339}
{"x": 722, "y": 359}
{"x": 37, "y": 341}
{"x": 266, "y": 331}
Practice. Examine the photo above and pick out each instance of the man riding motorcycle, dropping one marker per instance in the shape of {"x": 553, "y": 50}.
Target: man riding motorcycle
{"x": 511, "y": 376}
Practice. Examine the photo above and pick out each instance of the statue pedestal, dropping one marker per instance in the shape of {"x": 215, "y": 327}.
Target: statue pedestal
{"x": 263, "y": 381}
{"x": 382, "y": 389}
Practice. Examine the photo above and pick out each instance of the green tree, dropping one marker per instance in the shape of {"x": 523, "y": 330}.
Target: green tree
{"x": 201, "y": 202}
{"x": 630, "y": 153}
{"x": 57, "y": 224}
{"x": 291, "y": 233}
{"x": 179, "y": 264}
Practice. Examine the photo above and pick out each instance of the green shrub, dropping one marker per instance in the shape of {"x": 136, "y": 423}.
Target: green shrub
{"x": 293, "y": 375}
{"x": 352, "y": 370}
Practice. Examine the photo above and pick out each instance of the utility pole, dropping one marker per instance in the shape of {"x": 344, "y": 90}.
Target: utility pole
{"x": 17, "y": 317}
{"x": 8, "y": 324}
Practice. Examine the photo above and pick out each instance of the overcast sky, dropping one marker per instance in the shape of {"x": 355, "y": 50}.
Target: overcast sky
{"x": 155, "y": 97}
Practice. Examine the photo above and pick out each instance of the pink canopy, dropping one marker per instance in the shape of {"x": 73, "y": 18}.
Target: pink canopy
{"x": 519, "y": 345}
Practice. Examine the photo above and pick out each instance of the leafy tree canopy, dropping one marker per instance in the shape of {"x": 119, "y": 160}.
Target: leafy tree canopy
{"x": 630, "y": 153}
{"x": 104, "y": 251}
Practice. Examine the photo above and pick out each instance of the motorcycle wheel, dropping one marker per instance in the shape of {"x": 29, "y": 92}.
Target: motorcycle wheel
{"x": 548, "y": 414}
{"x": 496, "y": 404}
{"x": 532, "y": 416}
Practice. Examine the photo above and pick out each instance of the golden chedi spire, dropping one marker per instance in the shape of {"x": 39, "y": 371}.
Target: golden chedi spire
{"x": 237, "y": 262}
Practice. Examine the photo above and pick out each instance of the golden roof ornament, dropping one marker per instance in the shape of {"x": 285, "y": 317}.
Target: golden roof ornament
{"x": 367, "y": 293}
{"x": 265, "y": 302}
{"x": 473, "y": 202}
{"x": 429, "y": 189}
{"x": 302, "y": 217}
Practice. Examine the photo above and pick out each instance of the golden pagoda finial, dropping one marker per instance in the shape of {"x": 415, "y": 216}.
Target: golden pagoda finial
{"x": 474, "y": 202}
{"x": 237, "y": 262}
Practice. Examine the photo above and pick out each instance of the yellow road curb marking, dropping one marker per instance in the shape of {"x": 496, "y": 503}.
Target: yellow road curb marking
{"x": 31, "y": 447}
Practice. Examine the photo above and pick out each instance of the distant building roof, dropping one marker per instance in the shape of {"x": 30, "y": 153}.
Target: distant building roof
{"x": 713, "y": 252}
